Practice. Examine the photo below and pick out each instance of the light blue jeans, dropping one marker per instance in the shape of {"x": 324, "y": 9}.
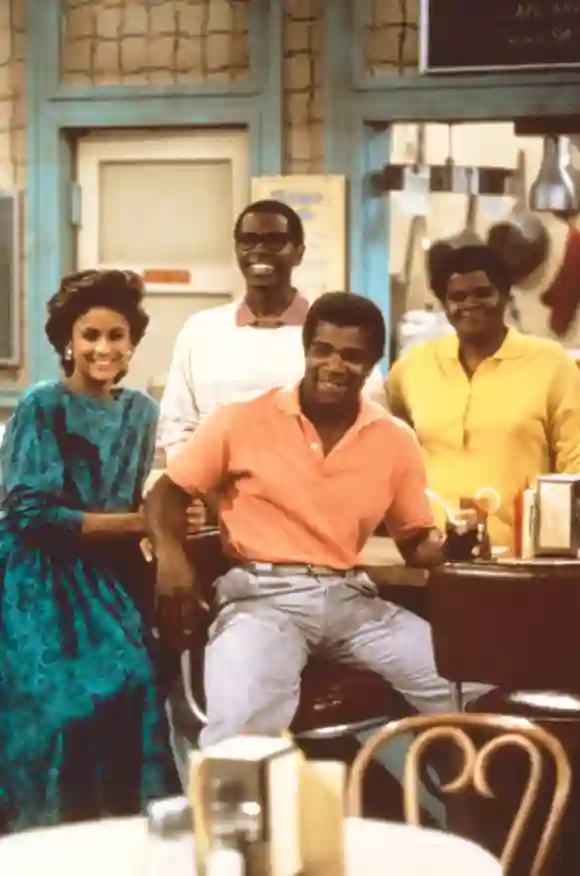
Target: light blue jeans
{"x": 267, "y": 627}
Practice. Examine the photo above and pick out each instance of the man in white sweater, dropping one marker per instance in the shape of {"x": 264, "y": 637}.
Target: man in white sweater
{"x": 238, "y": 351}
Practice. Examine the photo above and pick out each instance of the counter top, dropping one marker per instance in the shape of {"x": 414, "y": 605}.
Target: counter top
{"x": 385, "y": 565}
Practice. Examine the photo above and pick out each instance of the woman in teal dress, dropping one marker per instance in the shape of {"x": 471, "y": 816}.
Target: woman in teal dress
{"x": 82, "y": 727}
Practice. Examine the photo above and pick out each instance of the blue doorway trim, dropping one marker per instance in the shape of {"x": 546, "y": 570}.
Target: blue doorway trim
{"x": 57, "y": 112}
{"x": 369, "y": 265}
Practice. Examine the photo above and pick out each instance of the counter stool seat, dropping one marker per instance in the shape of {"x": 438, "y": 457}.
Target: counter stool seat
{"x": 515, "y": 626}
{"x": 335, "y": 699}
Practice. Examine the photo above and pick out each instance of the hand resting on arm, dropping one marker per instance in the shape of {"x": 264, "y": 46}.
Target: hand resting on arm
{"x": 177, "y": 597}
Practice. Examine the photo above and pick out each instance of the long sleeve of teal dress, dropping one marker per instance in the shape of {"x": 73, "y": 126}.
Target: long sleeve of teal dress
{"x": 33, "y": 467}
{"x": 82, "y": 729}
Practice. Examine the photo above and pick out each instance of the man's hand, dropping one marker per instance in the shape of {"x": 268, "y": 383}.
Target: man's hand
{"x": 176, "y": 597}
{"x": 431, "y": 551}
{"x": 200, "y": 514}
{"x": 423, "y": 550}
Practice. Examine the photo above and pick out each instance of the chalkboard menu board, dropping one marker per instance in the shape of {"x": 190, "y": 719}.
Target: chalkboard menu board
{"x": 9, "y": 291}
{"x": 472, "y": 35}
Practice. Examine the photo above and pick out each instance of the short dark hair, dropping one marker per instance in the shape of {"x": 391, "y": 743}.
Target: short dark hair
{"x": 295, "y": 226}
{"x": 345, "y": 309}
{"x": 444, "y": 260}
{"x": 79, "y": 292}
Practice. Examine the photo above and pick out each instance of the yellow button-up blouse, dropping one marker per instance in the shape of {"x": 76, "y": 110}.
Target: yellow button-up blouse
{"x": 516, "y": 418}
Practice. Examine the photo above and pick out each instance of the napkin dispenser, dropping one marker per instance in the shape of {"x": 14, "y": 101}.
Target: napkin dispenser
{"x": 261, "y": 808}
{"x": 557, "y": 516}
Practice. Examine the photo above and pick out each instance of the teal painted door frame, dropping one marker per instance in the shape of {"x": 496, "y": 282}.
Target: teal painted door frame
{"x": 359, "y": 110}
{"x": 57, "y": 111}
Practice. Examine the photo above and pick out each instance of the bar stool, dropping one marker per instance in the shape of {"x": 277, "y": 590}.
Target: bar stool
{"x": 336, "y": 701}
{"x": 515, "y": 626}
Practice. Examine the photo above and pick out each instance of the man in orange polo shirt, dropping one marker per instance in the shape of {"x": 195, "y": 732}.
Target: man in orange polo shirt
{"x": 304, "y": 476}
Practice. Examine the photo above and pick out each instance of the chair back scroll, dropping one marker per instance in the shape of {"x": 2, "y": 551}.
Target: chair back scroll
{"x": 510, "y": 731}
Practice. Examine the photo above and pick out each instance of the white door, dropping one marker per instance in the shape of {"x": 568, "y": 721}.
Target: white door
{"x": 164, "y": 205}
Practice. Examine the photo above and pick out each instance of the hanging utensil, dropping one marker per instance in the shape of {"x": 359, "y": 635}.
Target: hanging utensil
{"x": 521, "y": 239}
{"x": 574, "y": 174}
{"x": 553, "y": 190}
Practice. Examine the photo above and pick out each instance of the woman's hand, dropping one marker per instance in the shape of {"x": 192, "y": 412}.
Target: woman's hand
{"x": 196, "y": 520}
{"x": 137, "y": 522}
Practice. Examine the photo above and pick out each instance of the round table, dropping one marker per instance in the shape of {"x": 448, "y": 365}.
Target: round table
{"x": 122, "y": 847}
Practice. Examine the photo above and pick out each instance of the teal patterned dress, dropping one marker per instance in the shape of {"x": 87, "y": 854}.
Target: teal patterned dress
{"x": 82, "y": 727}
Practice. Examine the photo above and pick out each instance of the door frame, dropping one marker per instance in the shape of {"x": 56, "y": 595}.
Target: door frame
{"x": 58, "y": 113}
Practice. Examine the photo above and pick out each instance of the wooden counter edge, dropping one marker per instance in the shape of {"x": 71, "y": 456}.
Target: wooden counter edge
{"x": 384, "y": 565}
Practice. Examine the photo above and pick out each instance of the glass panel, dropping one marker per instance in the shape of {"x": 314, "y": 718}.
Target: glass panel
{"x": 303, "y": 97}
{"x": 164, "y": 213}
{"x": 391, "y": 37}
{"x": 138, "y": 42}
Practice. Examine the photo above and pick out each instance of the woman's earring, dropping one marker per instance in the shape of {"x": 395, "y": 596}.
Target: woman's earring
{"x": 68, "y": 353}
{"x": 130, "y": 354}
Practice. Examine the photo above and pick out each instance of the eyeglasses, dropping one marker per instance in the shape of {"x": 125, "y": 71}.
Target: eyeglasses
{"x": 272, "y": 241}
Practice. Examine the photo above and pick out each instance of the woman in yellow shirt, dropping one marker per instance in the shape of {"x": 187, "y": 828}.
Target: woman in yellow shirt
{"x": 491, "y": 407}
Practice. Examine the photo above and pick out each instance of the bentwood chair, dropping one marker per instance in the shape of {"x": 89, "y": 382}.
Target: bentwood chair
{"x": 517, "y": 733}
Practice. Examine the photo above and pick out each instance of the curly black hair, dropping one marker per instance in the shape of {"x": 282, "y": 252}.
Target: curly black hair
{"x": 444, "y": 260}
{"x": 79, "y": 292}
{"x": 345, "y": 309}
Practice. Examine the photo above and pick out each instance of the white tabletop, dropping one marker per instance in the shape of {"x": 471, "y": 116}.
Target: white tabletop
{"x": 376, "y": 848}
{"x": 121, "y": 847}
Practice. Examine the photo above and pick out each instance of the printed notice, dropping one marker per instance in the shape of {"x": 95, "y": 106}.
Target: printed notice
{"x": 320, "y": 202}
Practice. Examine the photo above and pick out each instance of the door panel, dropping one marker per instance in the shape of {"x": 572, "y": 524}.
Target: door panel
{"x": 164, "y": 205}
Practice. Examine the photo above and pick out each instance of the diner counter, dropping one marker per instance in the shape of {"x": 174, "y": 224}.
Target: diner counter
{"x": 385, "y": 565}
